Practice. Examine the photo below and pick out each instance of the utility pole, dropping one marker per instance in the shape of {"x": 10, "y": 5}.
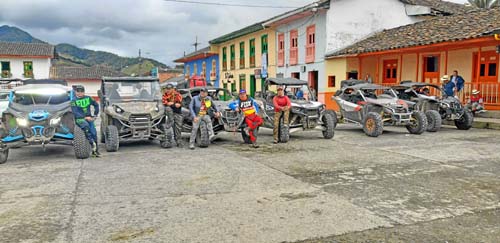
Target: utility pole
{"x": 196, "y": 43}
{"x": 140, "y": 63}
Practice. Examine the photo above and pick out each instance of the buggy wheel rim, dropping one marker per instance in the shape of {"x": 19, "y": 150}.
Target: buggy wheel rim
{"x": 370, "y": 124}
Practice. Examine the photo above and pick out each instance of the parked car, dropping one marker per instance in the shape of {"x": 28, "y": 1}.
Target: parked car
{"x": 305, "y": 114}
{"x": 132, "y": 110}
{"x": 40, "y": 114}
{"x": 431, "y": 99}
{"x": 374, "y": 106}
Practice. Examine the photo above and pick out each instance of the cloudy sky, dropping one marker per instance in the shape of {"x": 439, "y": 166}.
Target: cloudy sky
{"x": 163, "y": 30}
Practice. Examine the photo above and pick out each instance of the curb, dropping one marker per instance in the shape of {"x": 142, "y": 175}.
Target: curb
{"x": 479, "y": 124}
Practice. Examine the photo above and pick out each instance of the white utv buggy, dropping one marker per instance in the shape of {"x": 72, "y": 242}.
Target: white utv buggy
{"x": 132, "y": 110}
{"x": 40, "y": 114}
{"x": 374, "y": 106}
{"x": 304, "y": 114}
{"x": 432, "y": 100}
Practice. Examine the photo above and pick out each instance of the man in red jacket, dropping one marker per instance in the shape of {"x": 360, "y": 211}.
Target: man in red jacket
{"x": 282, "y": 106}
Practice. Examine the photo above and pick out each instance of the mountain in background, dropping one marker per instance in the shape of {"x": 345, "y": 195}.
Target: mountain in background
{"x": 70, "y": 55}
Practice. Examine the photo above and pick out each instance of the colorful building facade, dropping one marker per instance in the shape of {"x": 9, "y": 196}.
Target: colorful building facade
{"x": 204, "y": 63}
{"x": 301, "y": 43}
{"x": 246, "y": 58}
{"x": 469, "y": 44}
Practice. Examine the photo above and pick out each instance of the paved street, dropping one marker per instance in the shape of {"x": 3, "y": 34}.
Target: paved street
{"x": 436, "y": 187}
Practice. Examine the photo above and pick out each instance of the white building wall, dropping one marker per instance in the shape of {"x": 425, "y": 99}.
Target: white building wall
{"x": 349, "y": 21}
{"x": 301, "y": 25}
{"x": 41, "y": 67}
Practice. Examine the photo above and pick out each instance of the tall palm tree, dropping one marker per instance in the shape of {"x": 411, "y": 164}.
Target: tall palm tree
{"x": 484, "y": 3}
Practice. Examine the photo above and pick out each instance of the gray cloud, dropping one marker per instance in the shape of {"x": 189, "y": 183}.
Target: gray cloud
{"x": 163, "y": 30}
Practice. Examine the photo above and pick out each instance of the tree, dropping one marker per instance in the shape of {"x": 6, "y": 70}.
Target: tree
{"x": 484, "y": 3}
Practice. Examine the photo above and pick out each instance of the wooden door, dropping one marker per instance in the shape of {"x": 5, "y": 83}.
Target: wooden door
{"x": 431, "y": 69}
{"x": 390, "y": 71}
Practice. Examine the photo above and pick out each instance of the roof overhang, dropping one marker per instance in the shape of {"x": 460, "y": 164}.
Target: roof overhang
{"x": 299, "y": 13}
{"x": 195, "y": 57}
{"x": 417, "y": 10}
{"x": 24, "y": 56}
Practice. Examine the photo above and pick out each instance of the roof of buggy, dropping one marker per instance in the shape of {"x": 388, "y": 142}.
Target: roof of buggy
{"x": 130, "y": 79}
{"x": 45, "y": 81}
{"x": 365, "y": 86}
{"x": 409, "y": 84}
{"x": 48, "y": 89}
{"x": 286, "y": 81}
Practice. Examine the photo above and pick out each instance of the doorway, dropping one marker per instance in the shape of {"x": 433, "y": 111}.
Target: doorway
{"x": 295, "y": 75}
{"x": 431, "y": 69}
{"x": 390, "y": 71}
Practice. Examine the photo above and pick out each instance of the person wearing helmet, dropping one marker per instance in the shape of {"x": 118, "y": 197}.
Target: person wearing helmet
{"x": 173, "y": 107}
{"x": 80, "y": 106}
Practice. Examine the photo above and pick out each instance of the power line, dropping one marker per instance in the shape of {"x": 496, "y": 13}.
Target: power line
{"x": 228, "y": 4}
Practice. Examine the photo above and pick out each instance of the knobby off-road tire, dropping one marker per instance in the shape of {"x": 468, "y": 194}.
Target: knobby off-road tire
{"x": 420, "y": 124}
{"x": 283, "y": 133}
{"x": 246, "y": 138}
{"x": 334, "y": 115}
{"x": 103, "y": 135}
{"x": 465, "y": 123}
{"x": 202, "y": 136}
{"x": 112, "y": 138}
{"x": 81, "y": 144}
{"x": 4, "y": 155}
{"x": 373, "y": 125}
{"x": 434, "y": 121}
{"x": 329, "y": 121}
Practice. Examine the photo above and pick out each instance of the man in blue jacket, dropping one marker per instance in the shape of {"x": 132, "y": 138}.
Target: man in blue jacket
{"x": 449, "y": 87}
{"x": 201, "y": 107}
{"x": 458, "y": 81}
{"x": 80, "y": 105}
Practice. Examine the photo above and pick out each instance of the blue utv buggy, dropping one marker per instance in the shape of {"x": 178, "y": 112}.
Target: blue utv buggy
{"x": 40, "y": 114}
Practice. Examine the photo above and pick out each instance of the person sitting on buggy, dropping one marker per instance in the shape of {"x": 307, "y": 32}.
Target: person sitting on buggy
{"x": 80, "y": 106}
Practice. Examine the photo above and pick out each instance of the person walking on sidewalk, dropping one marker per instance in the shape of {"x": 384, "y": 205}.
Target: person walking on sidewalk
{"x": 282, "y": 105}
{"x": 250, "y": 110}
{"x": 200, "y": 108}
{"x": 173, "y": 109}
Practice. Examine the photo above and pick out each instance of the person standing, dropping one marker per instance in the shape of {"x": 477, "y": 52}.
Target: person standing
{"x": 313, "y": 93}
{"x": 368, "y": 79}
{"x": 448, "y": 86}
{"x": 200, "y": 109}
{"x": 173, "y": 109}
{"x": 458, "y": 81}
{"x": 80, "y": 106}
{"x": 250, "y": 110}
{"x": 282, "y": 107}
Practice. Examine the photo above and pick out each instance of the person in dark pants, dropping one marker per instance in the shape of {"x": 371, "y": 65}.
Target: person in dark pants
{"x": 173, "y": 107}
{"x": 458, "y": 81}
{"x": 201, "y": 107}
{"x": 80, "y": 105}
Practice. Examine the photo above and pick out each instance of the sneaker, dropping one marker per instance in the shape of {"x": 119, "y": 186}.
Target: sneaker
{"x": 96, "y": 154}
{"x": 275, "y": 142}
{"x": 211, "y": 137}
{"x": 191, "y": 146}
{"x": 247, "y": 131}
{"x": 255, "y": 145}
{"x": 94, "y": 147}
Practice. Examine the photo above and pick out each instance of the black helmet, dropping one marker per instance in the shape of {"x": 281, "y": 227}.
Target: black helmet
{"x": 79, "y": 88}
{"x": 170, "y": 86}
{"x": 203, "y": 90}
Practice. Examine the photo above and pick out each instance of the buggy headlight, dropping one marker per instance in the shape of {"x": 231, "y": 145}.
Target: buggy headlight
{"x": 296, "y": 110}
{"x": 55, "y": 121}
{"x": 157, "y": 109}
{"x": 118, "y": 110}
{"x": 22, "y": 122}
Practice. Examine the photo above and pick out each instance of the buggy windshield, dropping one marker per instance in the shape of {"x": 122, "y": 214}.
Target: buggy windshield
{"x": 40, "y": 99}
{"x": 117, "y": 92}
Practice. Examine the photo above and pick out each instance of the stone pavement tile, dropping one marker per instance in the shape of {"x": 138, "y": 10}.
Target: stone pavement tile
{"x": 170, "y": 173}
{"x": 35, "y": 218}
{"x": 481, "y": 226}
{"x": 270, "y": 216}
{"x": 415, "y": 192}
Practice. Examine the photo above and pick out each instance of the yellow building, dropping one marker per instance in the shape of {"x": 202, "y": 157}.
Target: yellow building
{"x": 242, "y": 54}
